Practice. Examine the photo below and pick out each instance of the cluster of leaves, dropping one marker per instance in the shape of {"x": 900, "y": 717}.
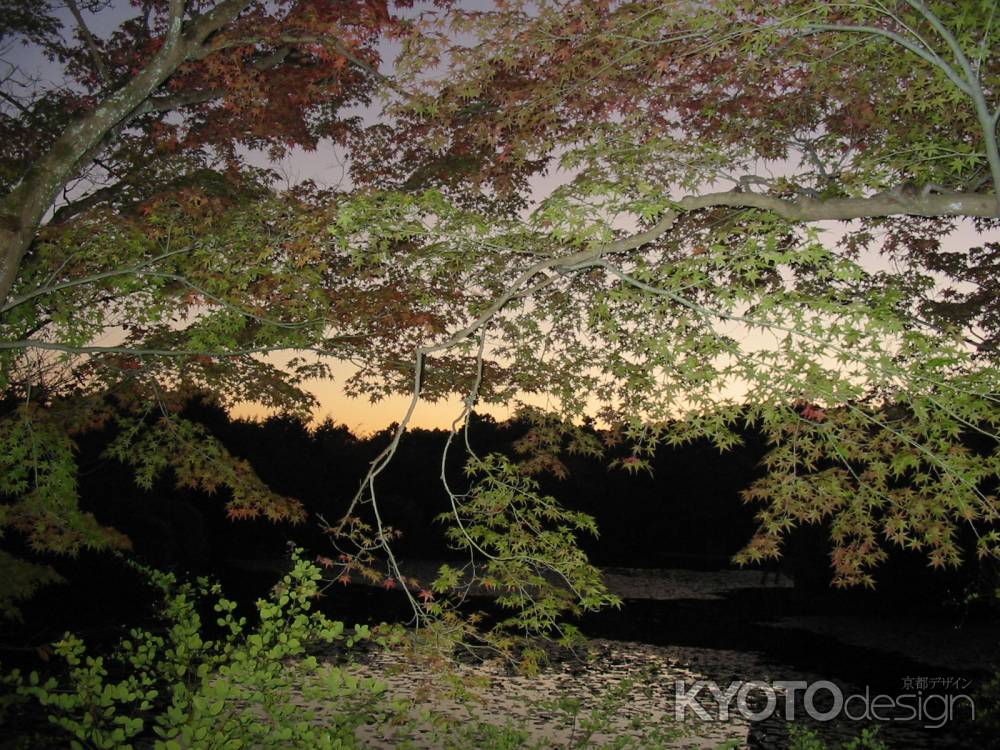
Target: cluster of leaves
{"x": 527, "y": 542}
{"x": 870, "y": 411}
{"x": 239, "y": 689}
{"x": 672, "y": 92}
{"x": 39, "y": 464}
{"x": 523, "y": 551}
{"x": 871, "y": 384}
{"x": 262, "y": 76}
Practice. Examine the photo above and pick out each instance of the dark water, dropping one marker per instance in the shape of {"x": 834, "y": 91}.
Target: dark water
{"x": 738, "y": 621}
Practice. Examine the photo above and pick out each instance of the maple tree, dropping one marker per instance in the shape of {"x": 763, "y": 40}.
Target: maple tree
{"x": 673, "y": 284}
{"x": 142, "y": 253}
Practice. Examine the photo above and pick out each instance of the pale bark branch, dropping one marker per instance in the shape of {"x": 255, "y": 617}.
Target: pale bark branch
{"x": 805, "y": 210}
{"x": 175, "y": 101}
{"x": 926, "y": 55}
{"x": 175, "y": 21}
{"x": 947, "y": 36}
{"x": 923, "y": 203}
{"x": 22, "y": 210}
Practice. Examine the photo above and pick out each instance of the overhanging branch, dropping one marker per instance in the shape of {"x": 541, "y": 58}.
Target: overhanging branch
{"x": 892, "y": 203}
{"x": 804, "y": 210}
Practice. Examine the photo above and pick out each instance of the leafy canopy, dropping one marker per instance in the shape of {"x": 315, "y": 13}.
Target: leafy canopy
{"x": 747, "y": 221}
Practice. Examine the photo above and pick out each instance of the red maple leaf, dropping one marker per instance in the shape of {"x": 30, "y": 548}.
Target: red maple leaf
{"x": 814, "y": 413}
{"x": 389, "y": 583}
{"x": 239, "y": 513}
{"x": 425, "y": 596}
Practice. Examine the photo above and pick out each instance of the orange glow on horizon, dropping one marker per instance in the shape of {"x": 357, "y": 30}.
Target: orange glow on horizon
{"x": 362, "y": 416}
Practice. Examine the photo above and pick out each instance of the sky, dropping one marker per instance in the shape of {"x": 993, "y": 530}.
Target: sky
{"x": 326, "y": 166}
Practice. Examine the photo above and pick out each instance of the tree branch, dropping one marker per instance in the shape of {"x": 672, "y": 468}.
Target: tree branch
{"x": 203, "y": 26}
{"x": 926, "y": 55}
{"x": 175, "y": 101}
{"x": 946, "y": 35}
{"x": 22, "y": 210}
{"x": 804, "y": 210}
{"x": 327, "y": 41}
{"x": 172, "y": 353}
{"x": 24, "y": 110}
{"x": 175, "y": 21}
{"x": 136, "y": 269}
{"x": 922, "y": 203}
{"x": 69, "y": 210}
{"x": 88, "y": 38}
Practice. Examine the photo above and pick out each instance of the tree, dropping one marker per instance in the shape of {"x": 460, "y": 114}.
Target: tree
{"x": 129, "y": 207}
{"x": 640, "y": 291}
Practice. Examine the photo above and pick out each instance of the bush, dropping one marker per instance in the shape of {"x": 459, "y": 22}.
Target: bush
{"x": 241, "y": 689}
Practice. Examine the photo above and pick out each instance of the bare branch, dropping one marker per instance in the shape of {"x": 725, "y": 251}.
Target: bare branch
{"x": 68, "y": 210}
{"x": 12, "y": 100}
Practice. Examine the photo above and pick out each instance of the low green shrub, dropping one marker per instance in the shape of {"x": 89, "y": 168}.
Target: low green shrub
{"x": 243, "y": 688}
